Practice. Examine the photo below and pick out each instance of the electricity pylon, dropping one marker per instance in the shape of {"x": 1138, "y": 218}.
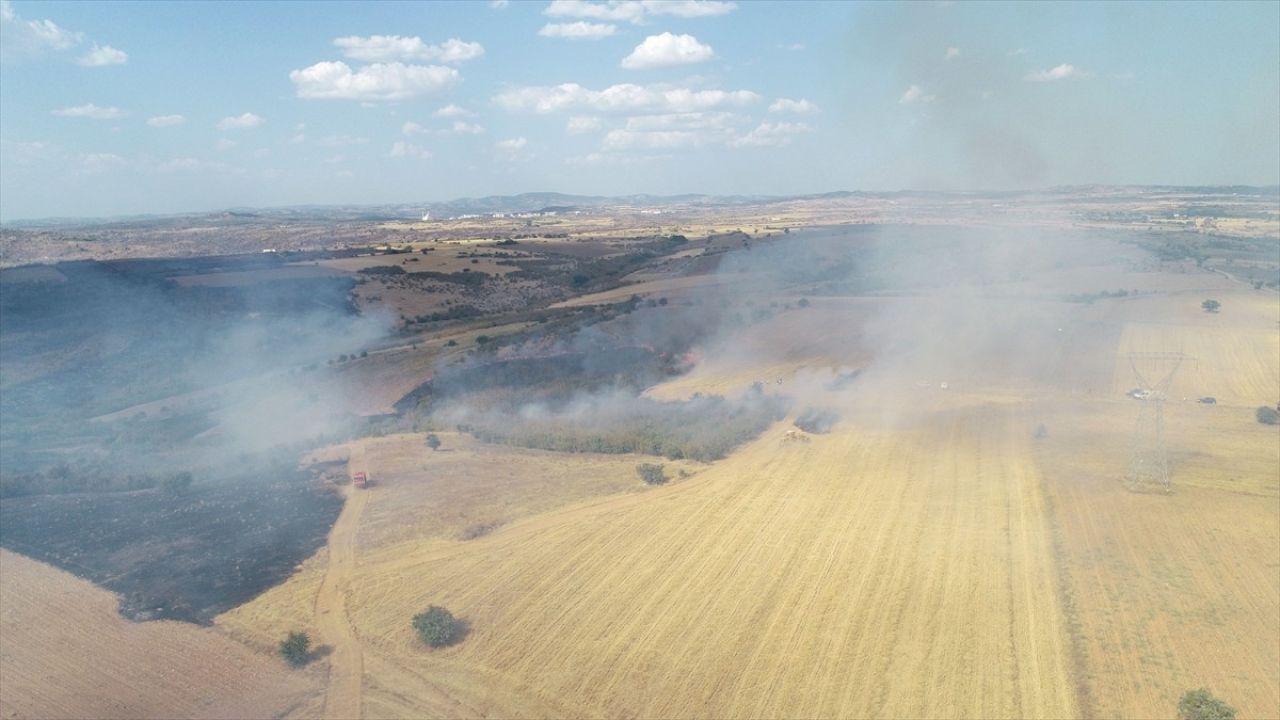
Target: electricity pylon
{"x": 1149, "y": 465}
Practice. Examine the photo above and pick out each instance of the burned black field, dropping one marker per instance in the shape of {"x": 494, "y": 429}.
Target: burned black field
{"x": 178, "y": 555}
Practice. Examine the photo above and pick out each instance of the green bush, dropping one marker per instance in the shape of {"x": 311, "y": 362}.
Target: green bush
{"x": 296, "y": 649}
{"x": 1200, "y": 704}
{"x": 1268, "y": 415}
{"x": 433, "y": 441}
{"x": 651, "y": 474}
{"x": 437, "y": 627}
{"x": 1211, "y": 306}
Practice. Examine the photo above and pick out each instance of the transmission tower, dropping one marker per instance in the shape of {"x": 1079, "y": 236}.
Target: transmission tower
{"x": 1149, "y": 466}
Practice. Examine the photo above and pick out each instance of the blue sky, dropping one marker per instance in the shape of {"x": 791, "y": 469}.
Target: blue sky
{"x": 120, "y": 108}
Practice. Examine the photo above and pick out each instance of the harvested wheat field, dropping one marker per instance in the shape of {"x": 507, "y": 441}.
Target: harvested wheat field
{"x": 65, "y": 652}
{"x": 844, "y": 577}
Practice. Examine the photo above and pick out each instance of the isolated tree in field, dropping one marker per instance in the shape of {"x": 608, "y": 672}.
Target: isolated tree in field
{"x": 1200, "y": 704}
{"x": 651, "y": 473}
{"x": 1211, "y": 306}
{"x": 296, "y": 649}
{"x": 436, "y": 627}
{"x": 1268, "y": 415}
{"x": 433, "y": 441}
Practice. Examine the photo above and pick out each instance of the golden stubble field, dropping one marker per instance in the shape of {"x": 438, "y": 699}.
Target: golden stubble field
{"x": 66, "y": 653}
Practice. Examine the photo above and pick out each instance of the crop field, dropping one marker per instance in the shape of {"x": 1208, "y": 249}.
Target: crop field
{"x": 68, "y": 653}
{"x": 756, "y": 590}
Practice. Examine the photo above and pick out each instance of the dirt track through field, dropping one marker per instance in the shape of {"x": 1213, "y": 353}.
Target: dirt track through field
{"x": 346, "y": 661}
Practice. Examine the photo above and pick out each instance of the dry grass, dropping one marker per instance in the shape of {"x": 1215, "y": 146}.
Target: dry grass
{"x": 67, "y": 653}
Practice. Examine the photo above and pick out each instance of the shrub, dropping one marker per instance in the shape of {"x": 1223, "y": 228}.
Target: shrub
{"x": 482, "y": 339}
{"x": 1268, "y": 415}
{"x": 436, "y": 627}
{"x": 651, "y": 474}
{"x": 804, "y": 302}
{"x": 1211, "y": 305}
{"x": 433, "y": 441}
{"x": 296, "y": 649}
{"x": 1200, "y": 704}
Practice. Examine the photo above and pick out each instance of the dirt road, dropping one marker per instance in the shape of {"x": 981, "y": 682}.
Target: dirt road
{"x": 346, "y": 662}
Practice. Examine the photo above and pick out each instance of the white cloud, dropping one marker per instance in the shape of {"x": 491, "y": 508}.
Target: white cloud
{"x": 598, "y": 159}
{"x": 769, "y": 134}
{"x": 1061, "y": 72}
{"x": 224, "y": 144}
{"x": 413, "y": 128}
{"x": 451, "y": 110}
{"x": 466, "y": 128}
{"x": 688, "y": 8}
{"x": 94, "y": 163}
{"x": 625, "y": 98}
{"x": 513, "y": 145}
{"x": 637, "y": 11}
{"x": 579, "y": 124}
{"x": 33, "y": 38}
{"x": 243, "y": 121}
{"x": 102, "y": 55}
{"x": 499, "y": 4}
{"x": 801, "y": 106}
{"x": 623, "y": 139}
{"x": 404, "y": 149}
{"x": 915, "y": 95}
{"x": 1016, "y": 52}
{"x": 665, "y": 50}
{"x": 341, "y": 140}
{"x": 389, "y": 81}
{"x": 580, "y": 30}
{"x": 384, "y": 48}
{"x": 89, "y": 110}
{"x": 794, "y": 47}
{"x": 721, "y": 121}
{"x": 951, "y": 54}
{"x": 163, "y": 121}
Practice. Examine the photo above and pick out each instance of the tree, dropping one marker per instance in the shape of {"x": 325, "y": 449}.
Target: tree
{"x": 651, "y": 474}
{"x": 1268, "y": 415}
{"x": 433, "y": 441}
{"x": 437, "y": 627}
{"x": 482, "y": 339}
{"x": 1200, "y": 704}
{"x": 1211, "y": 306}
{"x": 296, "y": 649}
{"x": 177, "y": 483}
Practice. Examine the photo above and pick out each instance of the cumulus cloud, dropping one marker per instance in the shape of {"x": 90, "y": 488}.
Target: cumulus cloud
{"x": 452, "y": 111}
{"x": 243, "y": 121}
{"x": 91, "y": 111}
{"x": 637, "y": 11}
{"x": 377, "y": 82}
{"x": 94, "y": 163}
{"x": 341, "y": 140}
{"x": 224, "y": 144}
{"x": 412, "y": 128}
{"x": 801, "y": 106}
{"x": 466, "y": 128}
{"x": 163, "y": 121}
{"x": 686, "y": 121}
{"x": 625, "y": 98}
{"x": 793, "y": 47}
{"x": 32, "y": 38}
{"x": 401, "y": 149}
{"x": 385, "y": 48}
{"x": 512, "y": 145}
{"x": 102, "y": 55}
{"x": 579, "y": 124}
{"x": 915, "y": 95}
{"x": 499, "y": 4}
{"x": 596, "y": 159}
{"x": 666, "y": 50}
{"x": 1061, "y": 72}
{"x": 951, "y": 54}
{"x": 580, "y": 30}
{"x": 624, "y": 139}
{"x": 769, "y": 134}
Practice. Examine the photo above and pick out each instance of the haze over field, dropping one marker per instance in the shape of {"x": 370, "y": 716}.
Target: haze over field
{"x": 654, "y": 358}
